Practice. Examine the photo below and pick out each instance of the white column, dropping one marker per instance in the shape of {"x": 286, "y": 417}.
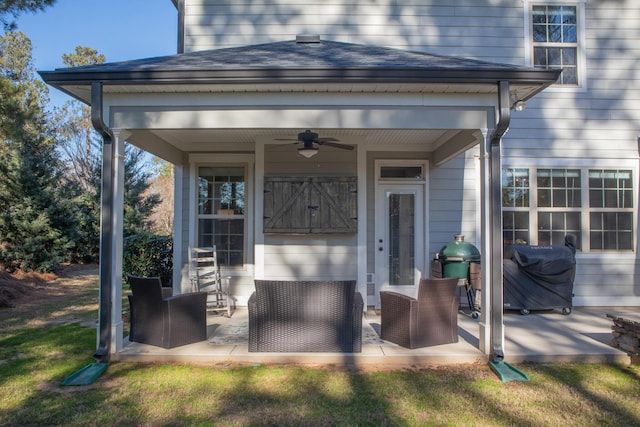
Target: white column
{"x": 178, "y": 265}
{"x": 258, "y": 201}
{"x": 117, "y": 215}
{"x": 362, "y": 221}
{"x": 485, "y": 245}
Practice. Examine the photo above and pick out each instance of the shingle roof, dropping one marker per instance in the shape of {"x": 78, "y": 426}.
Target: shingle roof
{"x": 291, "y": 54}
{"x": 281, "y": 60}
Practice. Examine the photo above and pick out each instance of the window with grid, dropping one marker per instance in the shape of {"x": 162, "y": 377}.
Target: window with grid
{"x": 559, "y": 205}
{"x": 555, "y": 40}
{"x": 597, "y": 204}
{"x": 221, "y": 212}
{"x": 515, "y": 197}
{"x": 611, "y": 209}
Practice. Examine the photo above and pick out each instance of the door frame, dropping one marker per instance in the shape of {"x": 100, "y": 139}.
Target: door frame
{"x": 381, "y": 224}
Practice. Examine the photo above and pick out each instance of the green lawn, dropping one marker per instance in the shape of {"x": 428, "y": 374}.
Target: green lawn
{"x": 41, "y": 346}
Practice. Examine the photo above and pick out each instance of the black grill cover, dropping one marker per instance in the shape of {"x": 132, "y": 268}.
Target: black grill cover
{"x": 539, "y": 277}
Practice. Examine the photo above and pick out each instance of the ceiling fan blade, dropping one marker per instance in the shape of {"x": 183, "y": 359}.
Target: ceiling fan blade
{"x": 321, "y": 140}
{"x": 336, "y": 145}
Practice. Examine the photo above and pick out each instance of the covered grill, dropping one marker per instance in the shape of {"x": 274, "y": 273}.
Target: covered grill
{"x": 540, "y": 277}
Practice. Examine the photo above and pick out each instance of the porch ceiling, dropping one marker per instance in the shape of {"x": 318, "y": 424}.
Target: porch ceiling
{"x": 170, "y": 144}
{"x": 193, "y": 139}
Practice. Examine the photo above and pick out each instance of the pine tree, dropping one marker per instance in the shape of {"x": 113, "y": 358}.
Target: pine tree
{"x": 36, "y": 219}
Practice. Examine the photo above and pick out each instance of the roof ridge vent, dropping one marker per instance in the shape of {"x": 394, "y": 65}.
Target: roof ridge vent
{"x": 308, "y": 38}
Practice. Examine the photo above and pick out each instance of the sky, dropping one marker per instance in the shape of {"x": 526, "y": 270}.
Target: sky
{"x": 119, "y": 29}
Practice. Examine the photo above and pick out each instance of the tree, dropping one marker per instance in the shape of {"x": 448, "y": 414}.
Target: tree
{"x": 36, "y": 219}
{"x": 162, "y": 184}
{"x": 81, "y": 150}
{"x": 13, "y": 8}
{"x": 83, "y": 56}
{"x": 79, "y": 143}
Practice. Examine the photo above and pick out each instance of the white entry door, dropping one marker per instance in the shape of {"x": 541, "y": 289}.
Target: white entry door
{"x": 399, "y": 243}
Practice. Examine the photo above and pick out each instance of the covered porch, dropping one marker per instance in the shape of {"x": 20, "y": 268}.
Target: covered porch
{"x": 237, "y": 104}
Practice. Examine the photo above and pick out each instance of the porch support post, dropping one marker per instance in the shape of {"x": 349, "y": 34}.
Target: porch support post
{"x": 496, "y": 321}
{"x": 258, "y": 180}
{"x": 485, "y": 240}
{"x": 117, "y": 218}
{"x": 362, "y": 222}
{"x": 178, "y": 249}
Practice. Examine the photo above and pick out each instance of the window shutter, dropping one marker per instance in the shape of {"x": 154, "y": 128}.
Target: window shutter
{"x": 310, "y": 205}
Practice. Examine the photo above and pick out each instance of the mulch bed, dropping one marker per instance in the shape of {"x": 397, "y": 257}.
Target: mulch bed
{"x": 14, "y": 287}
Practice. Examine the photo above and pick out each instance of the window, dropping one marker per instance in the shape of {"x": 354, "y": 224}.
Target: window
{"x": 221, "y": 212}
{"x": 554, "y": 33}
{"x": 592, "y": 203}
{"x": 515, "y": 194}
{"x": 559, "y": 205}
{"x": 611, "y": 203}
{"x": 401, "y": 172}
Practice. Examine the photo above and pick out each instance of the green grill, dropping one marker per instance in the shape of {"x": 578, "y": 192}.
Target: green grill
{"x": 456, "y": 256}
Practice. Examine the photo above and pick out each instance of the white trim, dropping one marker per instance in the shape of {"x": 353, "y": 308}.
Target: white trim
{"x": 582, "y": 41}
{"x": 606, "y": 301}
{"x": 569, "y": 162}
{"x": 422, "y": 262}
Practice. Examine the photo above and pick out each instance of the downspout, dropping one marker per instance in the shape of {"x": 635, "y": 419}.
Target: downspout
{"x": 496, "y": 326}
{"x": 181, "y": 9}
{"x": 106, "y": 225}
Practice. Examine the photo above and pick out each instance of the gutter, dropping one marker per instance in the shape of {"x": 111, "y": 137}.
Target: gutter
{"x": 106, "y": 226}
{"x": 504, "y": 370}
{"x": 154, "y": 74}
{"x": 496, "y": 324}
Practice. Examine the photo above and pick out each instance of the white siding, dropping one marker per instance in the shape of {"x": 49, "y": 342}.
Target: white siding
{"x": 453, "y": 206}
{"x": 482, "y": 28}
{"x": 309, "y": 257}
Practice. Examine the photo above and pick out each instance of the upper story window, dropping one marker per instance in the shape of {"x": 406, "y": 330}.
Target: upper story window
{"x": 554, "y": 38}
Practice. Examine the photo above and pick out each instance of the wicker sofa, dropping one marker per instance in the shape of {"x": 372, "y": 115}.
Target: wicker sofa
{"x": 305, "y": 316}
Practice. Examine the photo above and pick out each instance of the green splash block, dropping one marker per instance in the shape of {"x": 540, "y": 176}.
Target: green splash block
{"x": 507, "y": 372}
{"x": 86, "y": 375}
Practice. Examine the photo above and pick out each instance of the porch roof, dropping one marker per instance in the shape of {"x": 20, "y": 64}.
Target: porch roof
{"x": 302, "y": 64}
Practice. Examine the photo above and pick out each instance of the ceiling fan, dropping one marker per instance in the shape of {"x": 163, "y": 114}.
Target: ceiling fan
{"x": 311, "y": 139}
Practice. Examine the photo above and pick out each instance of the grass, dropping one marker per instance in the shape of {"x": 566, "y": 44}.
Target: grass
{"x": 48, "y": 339}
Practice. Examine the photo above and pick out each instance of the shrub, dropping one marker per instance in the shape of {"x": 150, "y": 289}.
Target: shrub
{"x": 149, "y": 255}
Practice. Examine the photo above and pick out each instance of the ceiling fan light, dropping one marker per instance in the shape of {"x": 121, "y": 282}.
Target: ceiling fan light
{"x": 307, "y": 152}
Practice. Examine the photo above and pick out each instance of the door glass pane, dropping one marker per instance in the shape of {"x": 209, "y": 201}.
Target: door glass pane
{"x": 401, "y": 172}
{"x": 401, "y": 239}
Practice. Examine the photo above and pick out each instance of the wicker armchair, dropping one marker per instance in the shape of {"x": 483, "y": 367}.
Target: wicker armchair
{"x": 431, "y": 319}
{"x": 165, "y": 321}
{"x": 311, "y": 316}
